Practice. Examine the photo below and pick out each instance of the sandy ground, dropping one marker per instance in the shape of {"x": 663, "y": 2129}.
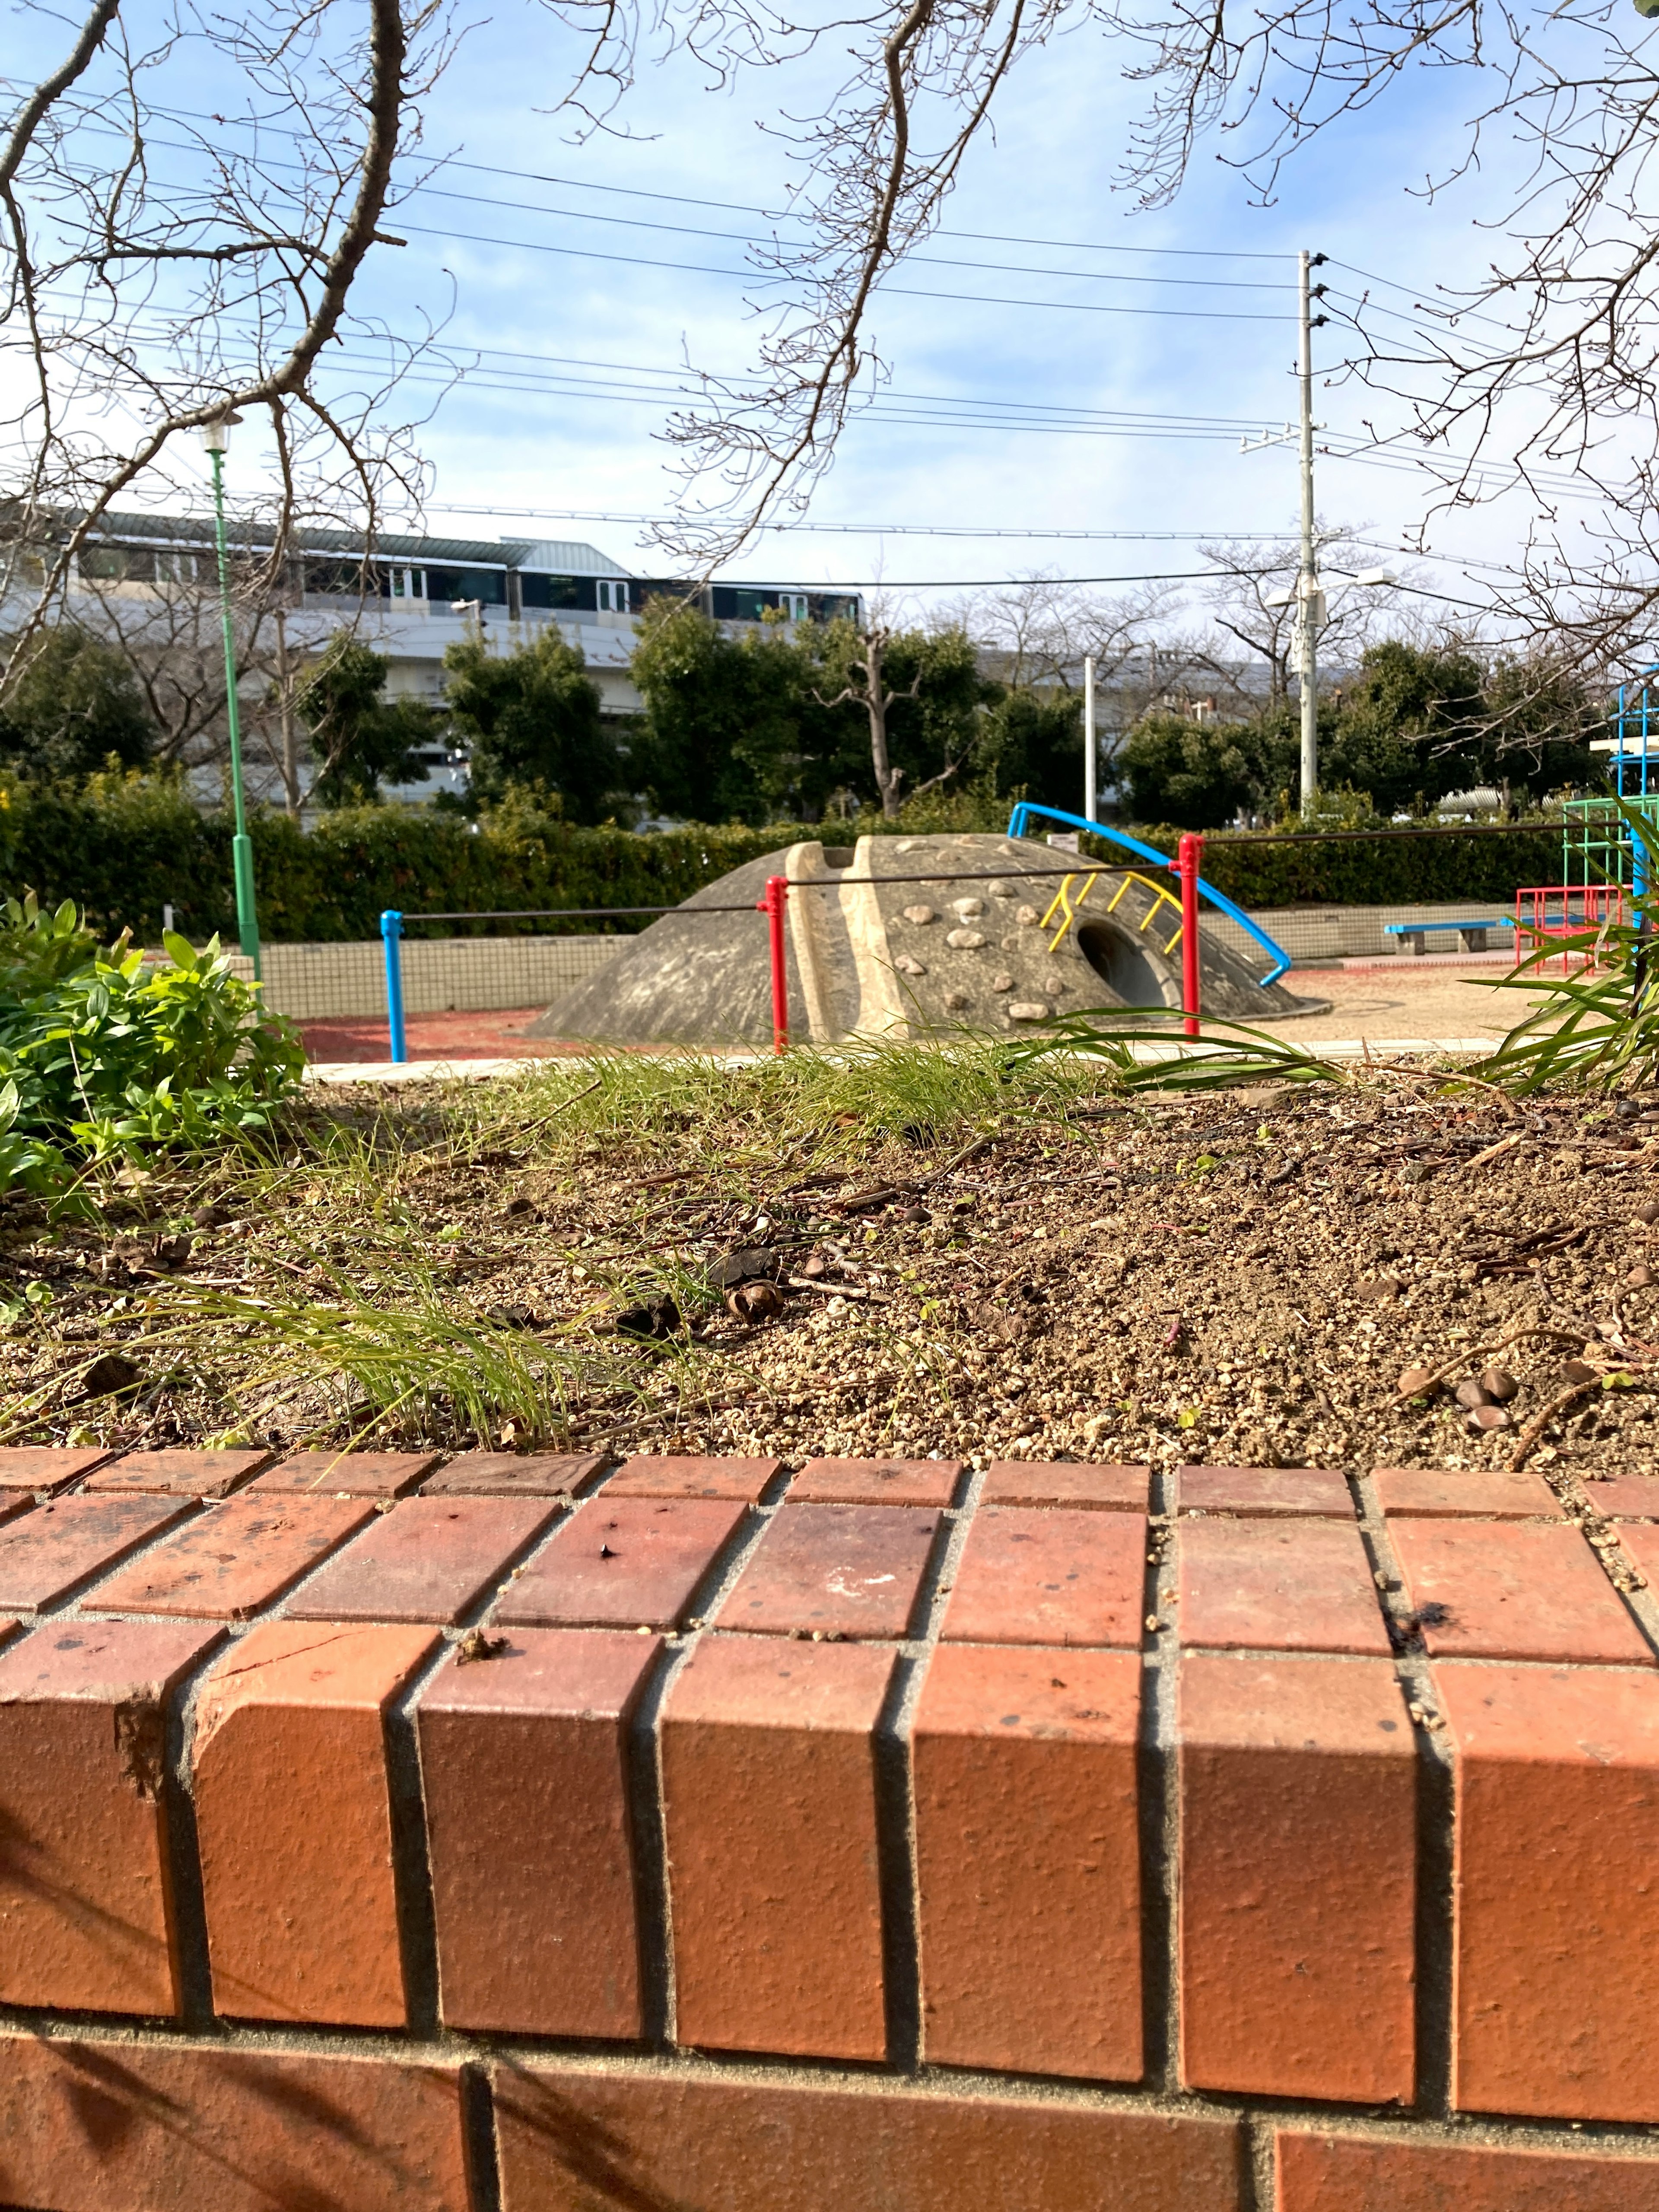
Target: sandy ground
{"x": 1378, "y": 1003}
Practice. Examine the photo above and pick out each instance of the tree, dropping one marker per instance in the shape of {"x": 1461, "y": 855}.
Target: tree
{"x": 779, "y": 719}
{"x": 531, "y": 716}
{"x": 74, "y": 707}
{"x": 1031, "y": 741}
{"x": 731, "y": 731}
{"x": 360, "y": 740}
{"x": 1195, "y": 775}
{"x": 914, "y": 723}
{"x": 183, "y": 266}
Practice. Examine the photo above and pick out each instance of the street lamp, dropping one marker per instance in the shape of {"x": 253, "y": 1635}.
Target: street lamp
{"x": 215, "y": 436}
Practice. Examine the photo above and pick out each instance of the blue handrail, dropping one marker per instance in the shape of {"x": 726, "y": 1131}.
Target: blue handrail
{"x": 1024, "y": 812}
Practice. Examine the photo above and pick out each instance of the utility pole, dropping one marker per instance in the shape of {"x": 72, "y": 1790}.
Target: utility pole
{"x": 1310, "y": 598}
{"x": 1089, "y": 756}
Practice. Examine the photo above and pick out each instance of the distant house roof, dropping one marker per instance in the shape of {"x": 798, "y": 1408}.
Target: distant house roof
{"x": 561, "y": 557}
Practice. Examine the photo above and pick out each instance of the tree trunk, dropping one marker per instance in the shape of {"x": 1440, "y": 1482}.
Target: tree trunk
{"x": 285, "y": 710}
{"x": 888, "y": 778}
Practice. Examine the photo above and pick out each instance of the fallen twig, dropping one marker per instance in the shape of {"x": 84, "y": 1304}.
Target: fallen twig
{"x": 1540, "y": 1421}
{"x": 1491, "y": 1152}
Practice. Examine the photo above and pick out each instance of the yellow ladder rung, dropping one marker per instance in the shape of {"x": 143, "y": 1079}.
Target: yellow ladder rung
{"x": 1062, "y": 902}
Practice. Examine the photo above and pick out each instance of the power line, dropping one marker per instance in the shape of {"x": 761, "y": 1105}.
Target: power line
{"x": 864, "y": 529}
{"x": 739, "y": 207}
{"x": 891, "y": 291}
{"x": 928, "y": 260}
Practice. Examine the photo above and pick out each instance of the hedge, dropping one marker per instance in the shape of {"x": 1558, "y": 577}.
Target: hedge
{"x": 129, "y": 846}
{"x": 124, "y": 847}
{"x": 1443, "y": 866}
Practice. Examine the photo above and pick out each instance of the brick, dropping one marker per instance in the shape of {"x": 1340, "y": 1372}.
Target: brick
{"x": 636, "y": 1563}
{"x": 1556, "y": 1920}
{"x": 1028, "y": 1856}
{"x": 234, "y": 1558}
{"x": 1425, "y": 1494}
{"x": 347, "y": 1475}
{"x": 769, "y": 1804}
{"x": 51, "y": 1551}
{"x": 39, "y": 1467}
{"x": 1059, "y": 1482}
{"x": 179, "y": 1473}
{"x": 85, "y": 1895}
{"x": 428, "y": 1558}
{"x": 744, "y": 1479}
{"x": 1625, "y": 1498}
{"x": 292, "y": 1820}
{"x": 876, "y": 1481}
{"x": 1048, "y": 1575}
{"x": 87, "y": 2126}
{"x": 514, "y": 1474}
{"x": 1486, "y": 1590}
{"x": 1266, "y": 1492}
{"x": 1387, "y": 2173}
{"x": 840, "y": 1570}
{"x": 1273, "y": 1586}
{"x": 1297, "y": 1784}
{"x": 523, "y": 1763}
{"x": 575, "y": 2141}
{"x": 1639, "y": 1542}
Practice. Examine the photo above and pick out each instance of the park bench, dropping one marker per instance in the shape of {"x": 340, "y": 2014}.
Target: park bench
{"x": 1474, "y": 933}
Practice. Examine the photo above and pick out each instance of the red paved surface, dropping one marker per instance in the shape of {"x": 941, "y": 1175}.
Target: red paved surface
{"x": 498, "y": 1036}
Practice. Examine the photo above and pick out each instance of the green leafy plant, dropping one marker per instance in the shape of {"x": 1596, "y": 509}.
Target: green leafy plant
{"x": 105, "y": 1054}
{"x": 1147, "y": 1050}
{"x": 1598, "y": 1029}
{"x": 37, "y": 949}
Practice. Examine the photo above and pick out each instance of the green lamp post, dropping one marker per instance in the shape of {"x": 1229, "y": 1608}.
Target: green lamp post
{"x": 215, "y": 436}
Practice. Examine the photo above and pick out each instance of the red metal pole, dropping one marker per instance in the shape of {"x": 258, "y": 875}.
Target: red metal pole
{"x": 777, "y": 893}
{"x": 1190, "y": 861}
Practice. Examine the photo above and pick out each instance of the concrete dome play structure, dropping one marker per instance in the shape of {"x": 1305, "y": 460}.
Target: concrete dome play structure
{"x": 907, "y": 937}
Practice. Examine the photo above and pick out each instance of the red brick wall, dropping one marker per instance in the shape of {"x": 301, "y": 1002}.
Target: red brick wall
{"x": 717, "y": 1838}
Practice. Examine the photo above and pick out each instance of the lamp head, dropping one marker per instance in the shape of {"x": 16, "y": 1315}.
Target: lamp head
{"x": 216, "y": 434}
{"x": 1386, "y": 575}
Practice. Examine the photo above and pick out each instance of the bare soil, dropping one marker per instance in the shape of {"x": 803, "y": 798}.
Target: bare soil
{"x": 1240, "y": 1278}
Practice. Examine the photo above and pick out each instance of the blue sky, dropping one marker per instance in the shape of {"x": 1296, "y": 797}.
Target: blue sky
{"x": 577, "y": 352}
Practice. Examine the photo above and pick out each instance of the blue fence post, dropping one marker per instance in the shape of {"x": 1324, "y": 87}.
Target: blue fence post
{"x": 391, "y": 932}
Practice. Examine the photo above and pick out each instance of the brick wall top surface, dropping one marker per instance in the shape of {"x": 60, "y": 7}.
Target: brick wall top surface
{"x": 45, "y": 1555}
{"x": 645, "y": 1477}
{"x": 511, "y": 1474}
{"x": 179, "y": 1473}
{"x": 876, "y": 1481}
{"x": 233, "y": 1558}
{"x": 39, "y": 1467}
{"x": 1029, "y": 1482}
{"x": 1278, "y": 1585}
{"x": 1635, "y": 1496}
{"x": 1427, "y": 1492}
{"x": 1491, "y": 1590}
{"x": 624, "y": 1562}
{"x": 430, "y": 1560}
{"x": 353, "y": 1474}
{"x": 1265, "y": 1492}
{"x": 838, "y": 1570}
{"x": 1049, "y": 1575}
